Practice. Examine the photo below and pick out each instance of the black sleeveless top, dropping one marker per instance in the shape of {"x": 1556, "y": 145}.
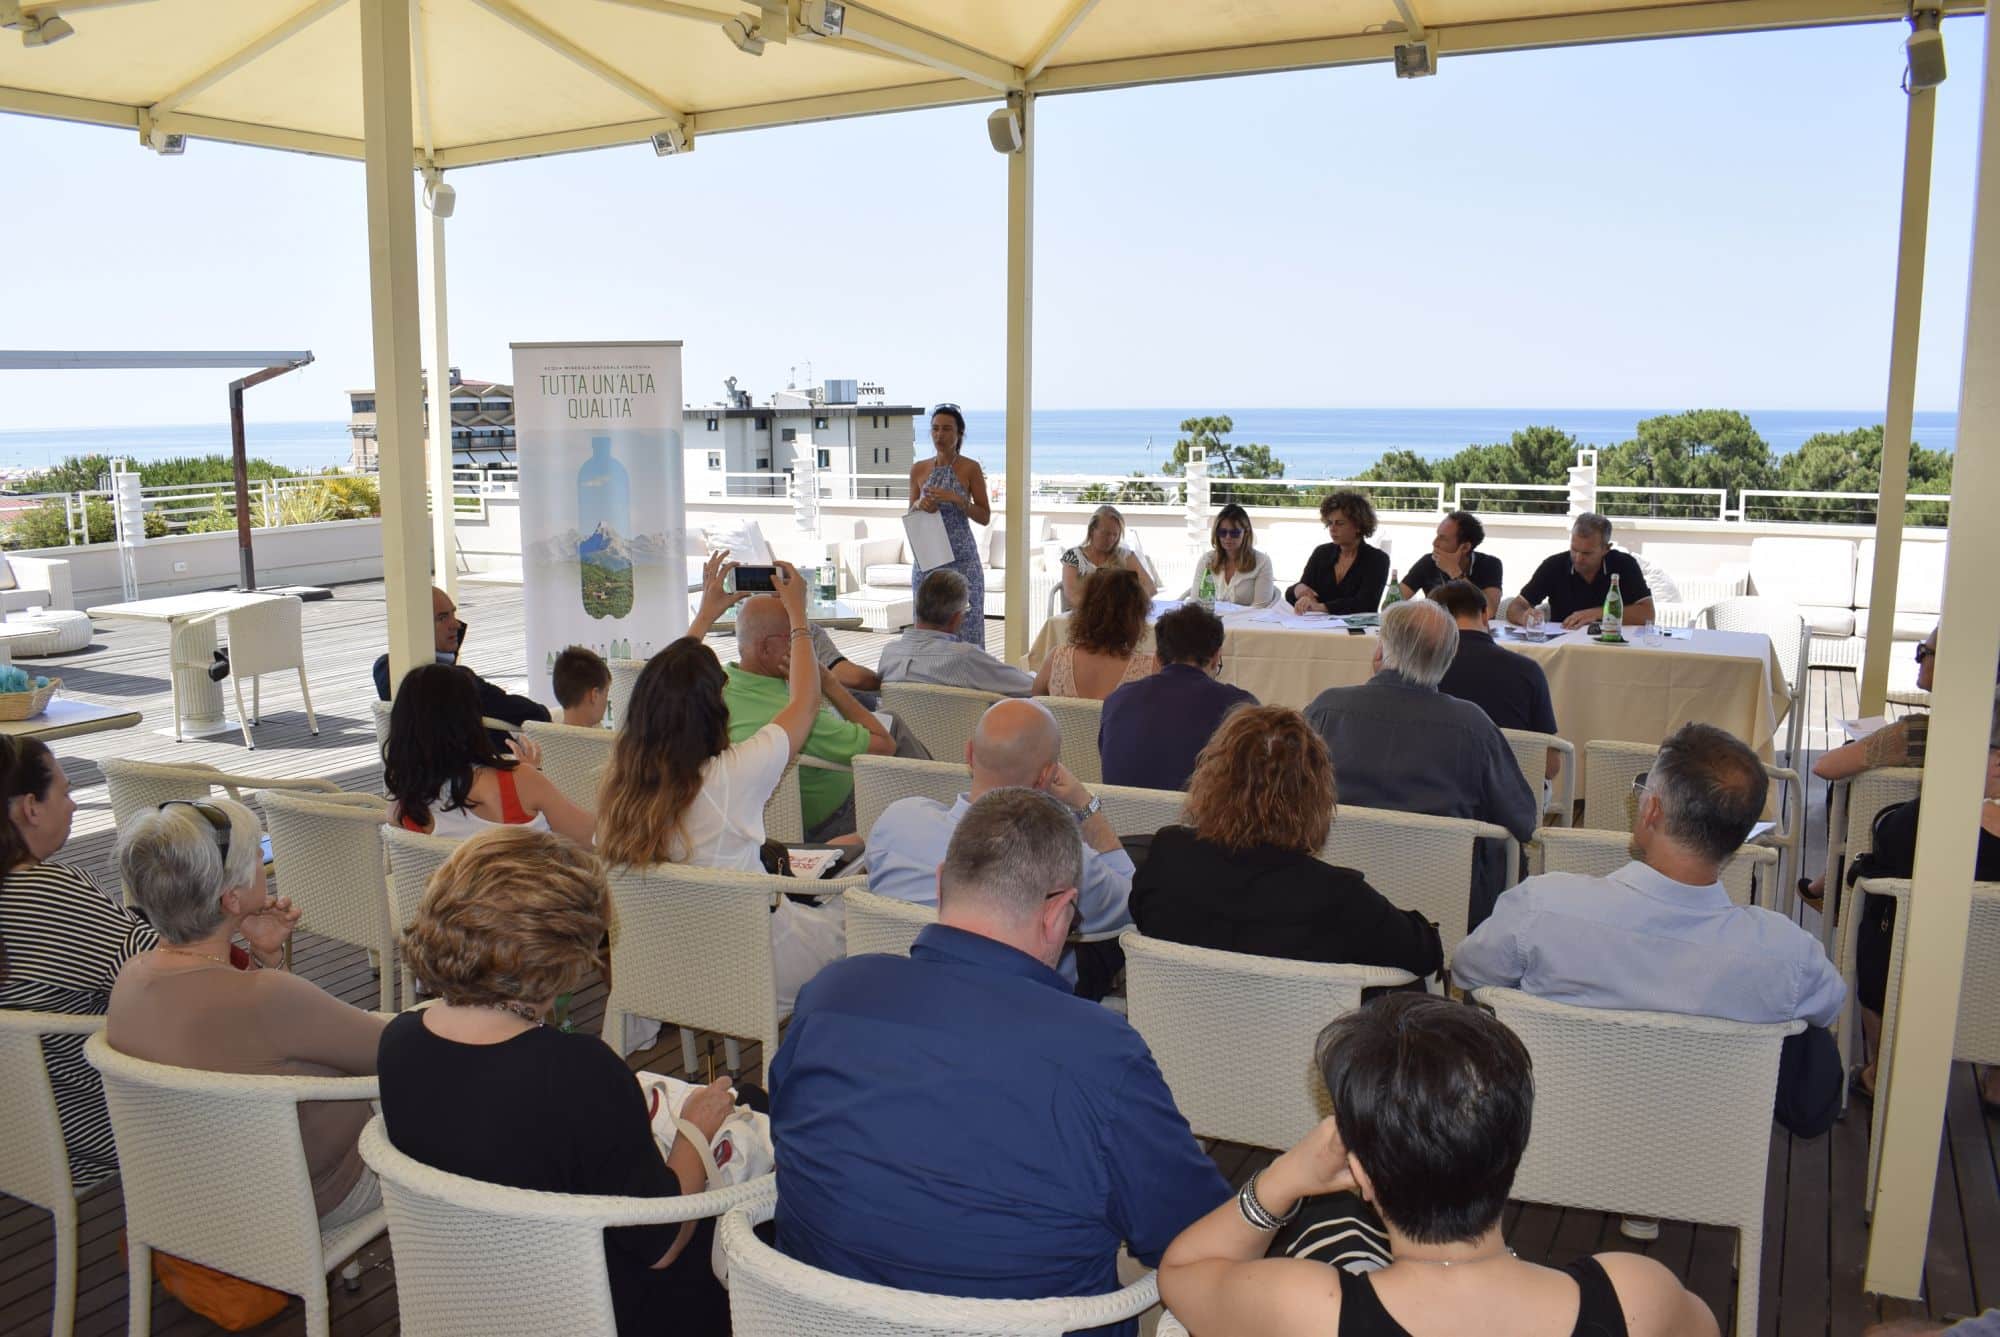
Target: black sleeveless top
{"x": 1598, "y": 1313}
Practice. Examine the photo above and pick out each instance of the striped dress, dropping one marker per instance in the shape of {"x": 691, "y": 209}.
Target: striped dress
{"x": 64, "y": 942}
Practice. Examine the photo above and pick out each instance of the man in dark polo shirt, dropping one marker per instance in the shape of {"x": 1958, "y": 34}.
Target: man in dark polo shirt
{"x": 1154, "y": 728}
{"x": 1509, "y": 687}
{"x": 1575, "y": 582}
{"x": 1455, "y": 555}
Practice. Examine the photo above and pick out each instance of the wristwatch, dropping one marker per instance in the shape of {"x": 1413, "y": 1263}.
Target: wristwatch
{"x": 1090, "y": 809}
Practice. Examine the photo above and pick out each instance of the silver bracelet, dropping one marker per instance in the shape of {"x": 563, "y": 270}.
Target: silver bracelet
{"x": 1255, "y": 1212}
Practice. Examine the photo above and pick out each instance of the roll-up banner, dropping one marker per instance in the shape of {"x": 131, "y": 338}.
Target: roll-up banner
{"x": 597, "y": 438}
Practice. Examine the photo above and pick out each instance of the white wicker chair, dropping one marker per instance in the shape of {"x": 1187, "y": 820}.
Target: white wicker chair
{"x": 265, "y": 638}
{"x": 1791, "y": 638}
{"x": 138, "y": 787}
{"x": 331, "y": 865}
{"x": 473, "y": 1259}
{"x": 771, "y": 1295}
{"x": 1078, "y": 717}
{"x": 693, "y": 949}
{"x": 573, "y": 758}
{"x": 1234, "y": 1034}
{"x": 1978, "y": 1035}
{"x": 1531, "y": 754}
{"x": 784, "y": 814}
{"x": 883, "y": 923}
{"x": 1170, "y": 1326}
{"x": 34, "y": 1163}
{"x": 1419, "y": 862}
{"x": 189, "y": 1143}
{"x": 942, "y": 718}
{"x": 412, "y": 860}
{"x": 624, "y": 677}
{"x": 1621, "y": 1098}
{"x": 1602, "y": 853}
{"x": 379, "y": 712}
{"x": 1851, "y": 808}
{"x": 880, "y": 781}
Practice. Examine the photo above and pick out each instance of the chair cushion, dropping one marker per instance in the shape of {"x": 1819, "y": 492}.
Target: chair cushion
{"x": 1802, "y": 571}
{"x": 7, "y": 581}
{"x": 888, "y": 575}
{"x": 996, "y": 580}
{"x": 1828, "y": 621}
{"x": 1903, "y": 627}
{"x": 1658, "y": 581}
{"x": 1919, "y": 577}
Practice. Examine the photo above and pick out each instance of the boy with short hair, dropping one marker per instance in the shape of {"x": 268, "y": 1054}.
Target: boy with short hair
{"x": 583, "y": 687}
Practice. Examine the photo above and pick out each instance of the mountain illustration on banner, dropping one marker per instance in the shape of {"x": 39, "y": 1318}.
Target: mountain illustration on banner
{"x": 604, "y": 504}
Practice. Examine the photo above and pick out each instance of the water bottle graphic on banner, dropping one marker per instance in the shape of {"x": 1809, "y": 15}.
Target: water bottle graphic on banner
{"x": 604, "y": 518}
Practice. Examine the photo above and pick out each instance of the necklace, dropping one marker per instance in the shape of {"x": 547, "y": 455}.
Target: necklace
{"x": 1506, "y": 1252}
{"x": 182, "y": 951}
{"x": 525, "y": 1011}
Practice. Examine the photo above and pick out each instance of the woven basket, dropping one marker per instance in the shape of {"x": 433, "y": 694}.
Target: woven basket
{"x": 27, "y": 705}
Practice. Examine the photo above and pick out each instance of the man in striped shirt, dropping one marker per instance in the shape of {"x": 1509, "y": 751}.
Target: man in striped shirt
{"x": 931, "y": 651}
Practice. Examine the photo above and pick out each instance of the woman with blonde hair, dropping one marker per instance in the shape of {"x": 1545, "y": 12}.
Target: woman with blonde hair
{"x": 1242, "y": 573}
{"x": 479, "y": 1085}
{"x": 1244, "y": 874}
{"x": 1100, "y": 651}
{"x": 1103, "y": 549}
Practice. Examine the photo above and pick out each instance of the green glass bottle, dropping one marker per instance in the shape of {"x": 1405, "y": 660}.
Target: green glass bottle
{"x": 1614, "y": 610}
{"x": 1393, "y": 593}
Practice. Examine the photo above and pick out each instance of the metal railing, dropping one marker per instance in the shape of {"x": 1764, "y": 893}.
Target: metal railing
{"x": 1769, "y": 506}
{"x": 1665, "y": 503}
{"x": 172, "y": 508}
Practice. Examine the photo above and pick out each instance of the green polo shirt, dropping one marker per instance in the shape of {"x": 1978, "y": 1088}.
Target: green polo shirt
{"x": 755, "y": 700}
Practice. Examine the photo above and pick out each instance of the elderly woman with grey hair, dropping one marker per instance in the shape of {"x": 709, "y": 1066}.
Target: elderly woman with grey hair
{"x": 195, "y": 870}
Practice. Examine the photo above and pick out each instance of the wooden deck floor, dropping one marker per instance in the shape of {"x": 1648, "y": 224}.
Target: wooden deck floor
{"x": 1815, "y": 1236}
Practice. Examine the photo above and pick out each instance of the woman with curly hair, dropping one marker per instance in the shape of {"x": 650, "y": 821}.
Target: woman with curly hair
{"x": 1100, "y": 653}
{"x": 1348, "y": 573}
{"x": 1244, "y": 876}
{"x": 479, "y": 1085}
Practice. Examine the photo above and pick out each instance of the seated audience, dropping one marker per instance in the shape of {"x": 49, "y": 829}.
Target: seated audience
{"x": 1103, "y": 549}
{"x": 1440, "y": 1184}
{"x": 1575, "y": 583}
{"x": 582, "y": 683}
{"x": 450, "y": 637}
{"x": 62, "y": 943}
{"x": 195, "y": 870}
{"x": 1244, "y": 874}
{"x": 1100, "y": 649}
{"x": 756, "y": 690}
{"x": 932, "y": 651}
{"x": 678, "y": 791}
{"x": 1242, "y": 573}
{"x": 1661, "y": 934}
{"x": 446, "y": 777}
{"x": 1397, "y": 742}
{"x": 1894, "y": 854}
{"x": 1510, "y": 687}
{"x": 1153, "y": 729}
{"x": 479, "y": 1085}
{"x": 955, "y": 1121}
{"x": 1348, "y": 574}
{"x": 844, "y": 670}
{"x": 1454, "y": 555}
{"x": 1015, "y": 746}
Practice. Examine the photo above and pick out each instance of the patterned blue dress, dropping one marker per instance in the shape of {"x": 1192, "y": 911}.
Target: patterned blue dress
{"x": 965, "y": 556}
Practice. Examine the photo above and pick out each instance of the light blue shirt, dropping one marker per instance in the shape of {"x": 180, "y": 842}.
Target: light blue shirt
{"x": 1638, "y": 941}
{"x": 908, "y": 844}
{"x": 923, "y": 654}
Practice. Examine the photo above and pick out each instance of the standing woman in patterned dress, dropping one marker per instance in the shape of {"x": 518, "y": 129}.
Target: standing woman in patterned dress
{"x": 955, "y": 486}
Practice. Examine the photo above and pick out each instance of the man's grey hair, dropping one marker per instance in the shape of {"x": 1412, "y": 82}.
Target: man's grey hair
{"x": 1594, "y": 525}
{"x": 1012, "y": 850}
{"x": 1419, "y": 639}
{"x": 1711, "y": 788}
{"x": 941, "y": 597}
{"x": 176, "y": 872}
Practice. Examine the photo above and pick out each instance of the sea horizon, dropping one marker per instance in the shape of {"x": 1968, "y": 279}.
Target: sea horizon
{"x": 1312, "y": 442}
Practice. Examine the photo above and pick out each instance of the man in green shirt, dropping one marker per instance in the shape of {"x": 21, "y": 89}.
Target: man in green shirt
{"x": 757, "y": 690}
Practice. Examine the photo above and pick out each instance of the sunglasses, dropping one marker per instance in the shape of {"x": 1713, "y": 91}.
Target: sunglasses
{"x": 217, "y": 819}
{"x": 1639, "y": 784}
{"x": 1925, "y": 651}
{"x": 1228, "y": 532}
{"x": 946, "y": 408}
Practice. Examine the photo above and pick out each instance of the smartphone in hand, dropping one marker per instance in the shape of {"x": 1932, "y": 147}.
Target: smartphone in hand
{"x": 754, "y": 579}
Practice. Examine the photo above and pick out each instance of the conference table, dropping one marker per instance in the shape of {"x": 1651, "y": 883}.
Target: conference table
{"x": 1636, "y": 692}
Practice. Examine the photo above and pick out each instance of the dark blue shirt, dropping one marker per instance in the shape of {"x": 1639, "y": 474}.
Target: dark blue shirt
{"x": 1557, "y": 581}
{"x": 1153, "y": 729}
{"x": 959, "y": 1122}
{"x": 1511, "y": 688}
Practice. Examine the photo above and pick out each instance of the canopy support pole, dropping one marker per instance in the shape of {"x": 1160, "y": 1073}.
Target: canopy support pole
{"x": 437, "y": 345}
{"x": 1895, "y": 473}
{"x": 1020, "y": 369}
{"x": 392, "y": 288}
{"x": 1955, "y": 764}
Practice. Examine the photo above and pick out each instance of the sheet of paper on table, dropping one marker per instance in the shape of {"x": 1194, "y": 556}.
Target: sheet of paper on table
{"x": 1223, "y": 608}
{"x": 930, "y": 546}
{"x": 1856, "y": 730}
{"x": 1278, "y": 615}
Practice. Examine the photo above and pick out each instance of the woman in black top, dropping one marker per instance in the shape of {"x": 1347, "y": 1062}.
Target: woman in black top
{"x": 1432, "y": 1102}
{"x": 1348, "y": 574}
{"x": 477, "y": 1084}
{"x": 1245, "y": 876}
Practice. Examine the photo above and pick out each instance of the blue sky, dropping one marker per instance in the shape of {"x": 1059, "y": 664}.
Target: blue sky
{"x": 1704, "y": 222}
